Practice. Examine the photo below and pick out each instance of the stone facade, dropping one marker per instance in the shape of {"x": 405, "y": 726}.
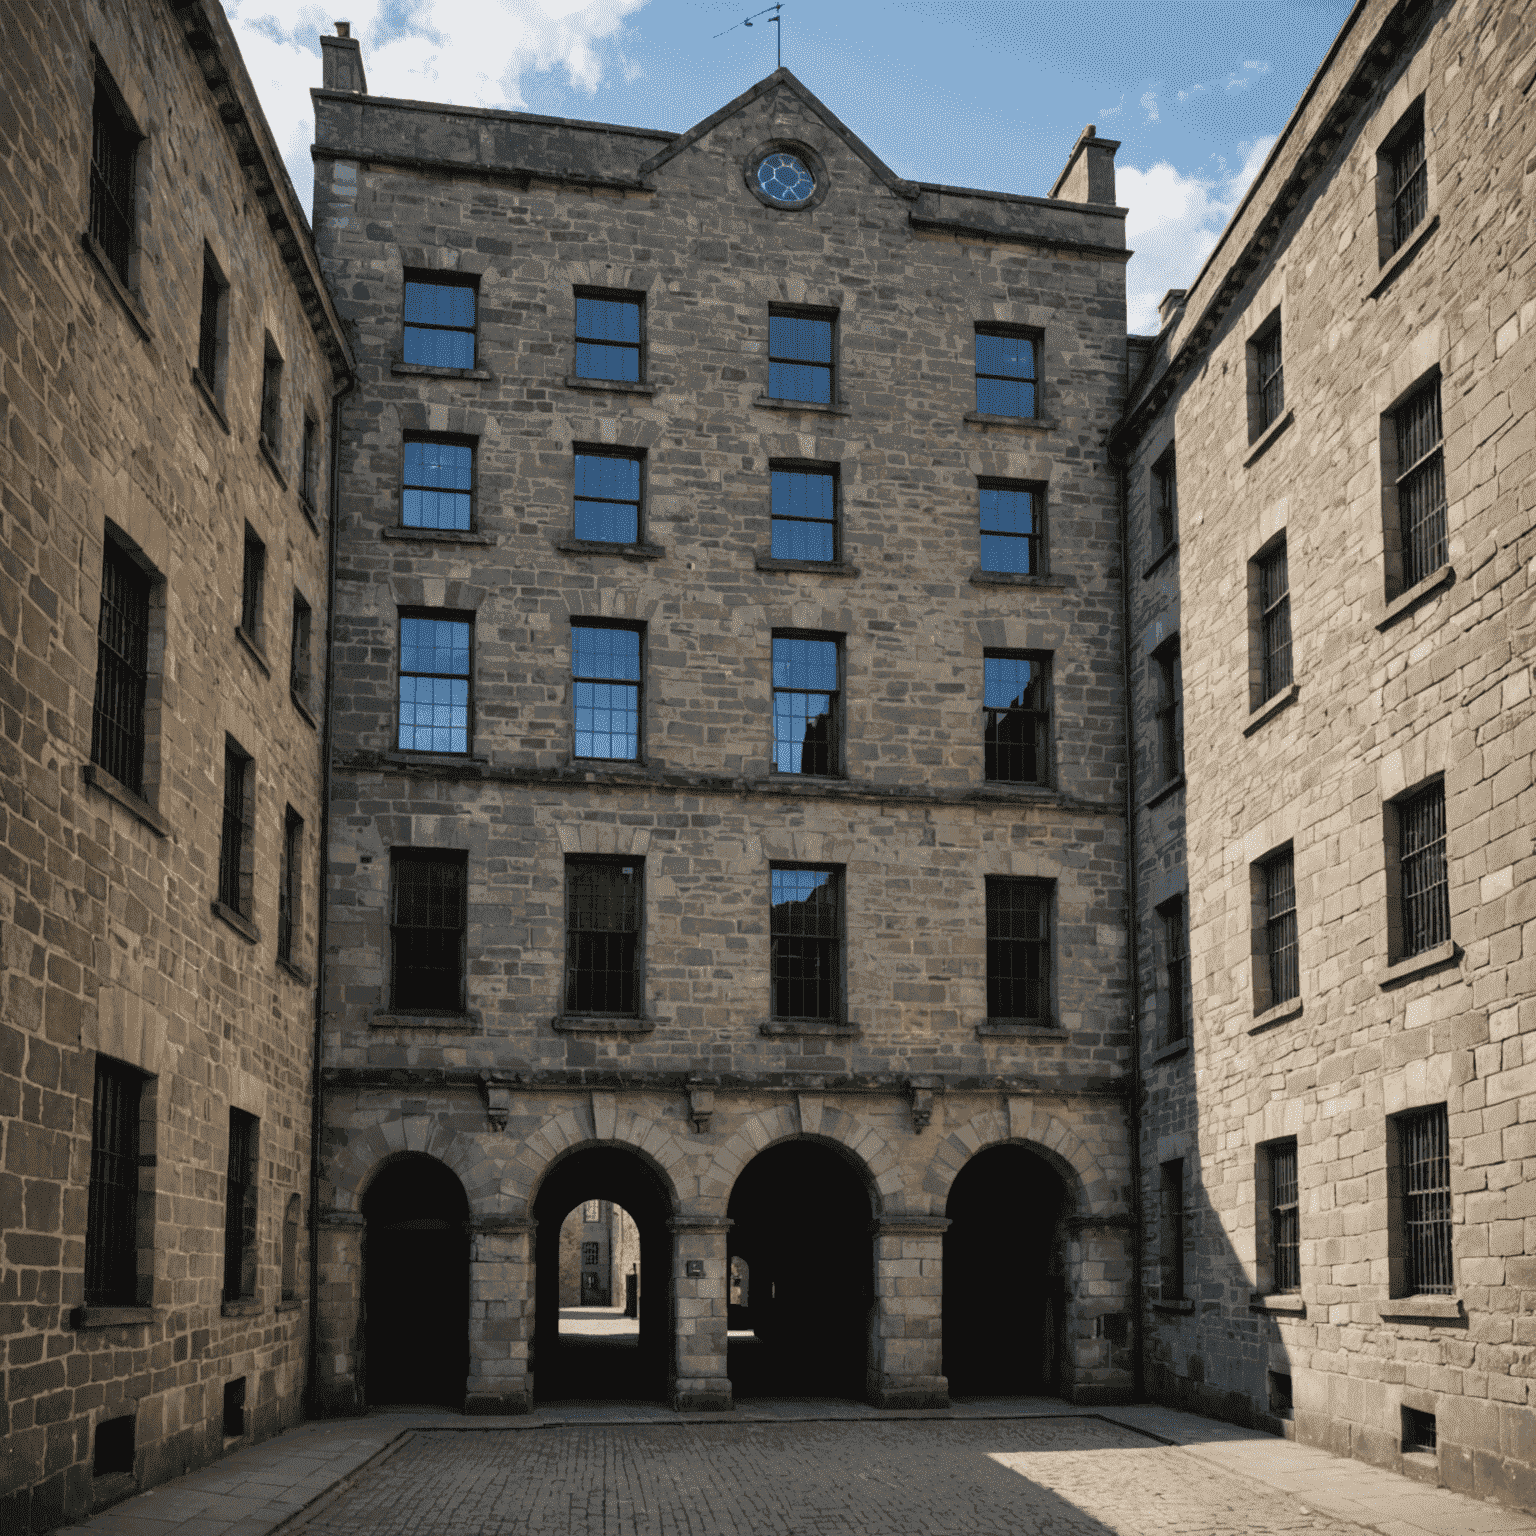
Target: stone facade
{"x": 1401, "y": 681}
{"x": 112, "y": 950}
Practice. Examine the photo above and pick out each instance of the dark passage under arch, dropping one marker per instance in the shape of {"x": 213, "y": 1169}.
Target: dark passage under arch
{"x": 416, "y": 1284}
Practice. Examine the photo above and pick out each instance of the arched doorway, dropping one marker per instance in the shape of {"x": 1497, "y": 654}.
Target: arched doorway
{"x": 416, "y": 1284}
{"x": 801, "y": 1275}
{"x": 606, "y": 1363}
{"x": 1004, "y": 1294}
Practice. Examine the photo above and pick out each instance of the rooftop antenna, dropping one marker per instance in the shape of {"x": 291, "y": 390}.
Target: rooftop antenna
{"x": 772, "y": 20}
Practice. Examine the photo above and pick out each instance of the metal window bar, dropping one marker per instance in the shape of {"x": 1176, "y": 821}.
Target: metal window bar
{"x": 608, "y": 339}
{"x": 439, "y": 324}
{"x": 208, "y": 326}
{"x": 1012, "y": 536}
{"x": 589, "y": 1255}
{"x": 602, "y": 940}
{"x": 288, "y": 884}
{"x": 1421, "y": 486}
{"x": 608, "y": 497}
{"x": 434, "y": 685}
{"x": 309, "y": 468}
{"x": 240, "y": 1208}
{"x": 1280, "y": 929}
{"x": 112, "y": 1209}
{"x": 1275, "y": 620}
{"x": 298, "y": 657}
{"x": 1271, "y": 370}
{"x": 1425, "y": 1156}
{"x": 605, "y": 679}
{"x": 1410, "y": 185}
{"x": 805, "y": 940}
{"x": 1016, "y": 720}
{"x": 1284, "y": 1219}
{"x": 1018, "y": 949}
{"x": 271, "y": 400}
{"x": 803, "y": 514}
{"x": 1176, "y": 966}
{"x": 251, "y": 580}
{"x": 112, "y": 153}
{"x": 1005, "y": 375}
{"x": 1170, "y": 713}
{"x": 122, "y": 670}
{"x": 1171, "y": 1229}
{"x": 1426, "y": 893}
{"x": 232, "y": 840}
{"x": 800, "y": 358}
{"x": 427, "y": 929}
{"x": 805, "y": 705}
{"x": 1166, "y": 500}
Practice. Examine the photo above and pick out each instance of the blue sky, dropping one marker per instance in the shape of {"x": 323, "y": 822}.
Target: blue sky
{"x": 956, "y": 91}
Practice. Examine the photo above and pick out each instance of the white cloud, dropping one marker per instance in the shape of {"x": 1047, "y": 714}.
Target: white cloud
{"x": 1149, "y": 106}
{"x": 1172, "y": 222}
{"x": 475, "y": 52}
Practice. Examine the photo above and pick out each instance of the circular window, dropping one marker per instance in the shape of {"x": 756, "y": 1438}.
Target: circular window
{"x": 783, "y": 177}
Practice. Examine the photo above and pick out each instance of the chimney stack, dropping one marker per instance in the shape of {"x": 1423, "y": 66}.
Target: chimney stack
{"x": 342, "y": 61}
{"x": 1090, "y": 173}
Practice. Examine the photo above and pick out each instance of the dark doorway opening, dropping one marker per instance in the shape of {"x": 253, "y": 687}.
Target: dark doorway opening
{"x": 1004, "y": 1292}
{"x": 801, "y": 1286}
{"x": 416, "y": 1284}
{"x": 622, "y": 1361}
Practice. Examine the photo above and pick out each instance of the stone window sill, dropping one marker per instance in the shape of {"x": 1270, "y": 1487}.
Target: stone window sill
{"x": 297, "y": 972}
{"x": 1021, "y": 1029}
{"x": 211, "y": 400}
{"x": 643, "y": 550}
{"x": 1007, "y": 789}
{"x": 773, "y": 403}
{"x": 427, "y": 371}
{"x": 1289, "y": 1009}
{"x": 808, "y": 1029}
{"x": 1172, "y": 1049}
{"x": 245, "y": 1306}
{"x": 609, "y": 386}
{"x": 1020, "y": 423}
{"x": 1272, "y": 707}
{"x": 1411, "y": 1308}
{"x": 136, "y": 805}
{"x": 269, "y": 457}
{"x": 464, "y": 760}
{"x": 1416, "y": 965}
{"x": 258, "y": 655}
{"x": 811, "y": 567}
{"x": 982, "y": 578}
{"x": 1399, "y": 259}
{"x": 120, "y": 290}
{"x": 1262, "y": 443}
{"x": 459, "y": 1019}
{"x": 602, "y": 1024}
{"x": 1419, "y": 592}
{"x": 1287, "y": 1303}
{"x": 303, "y": 709}
{"x": 1158, "y": 796}
{"x": 1166, "y": 551}
{"x": 242, "y": 925}
{"x": 436, "y": 536}
{"x": 292, "y": 1304}
{"x": 1181, "y": 1304}
{"x": 111, "y": 1317}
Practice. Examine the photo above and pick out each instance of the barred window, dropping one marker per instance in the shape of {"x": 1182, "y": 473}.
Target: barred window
{"x": 253, "y": 583}
{"x": 1424, "y": 873}
{"x": 122, "y": 669}
{"x": 1410, "y": 179}
{"x": 440, "y": 322}
{"x": 1170, "y": 711}
{"x": 114, "y": 144}
{"x": 605, "y": 677}
{"x": 1165, "y": 500}
{"x": 1012, "y": 527}
{"x": 804, "y": 514}
{"x": 1176, "y": 995}
{"x": 805, "y": 704}
{"x": 1270, "y": 366}
{"x": 290, "y": 883}
{"x": 289, "y": 1272}
{"x": 428, "y": 919}
{"x": 234, "y": 840}
{"x": 1424, "y": 1158}
{"x": 1421, "y": 485}
{"x": 1280, "y": 939}
{"x": 592, "y": 1211}
{"x": 603, "y": 903}
{"x": 1005, "y": 372}
{"x": 1170, "y": 1229}
{"x": 589, "y": 1255}
{"x": 1015, "y": 706}
{"x": 800, "y": 356}
{"x": 1275, "y": 621}
{"x": 437, "y": 479}
{"x": 272, "y": 398}
{"x": 299, "y": 654}
{"x": 434, "y": 683}
{"x": 309, "y": 464}
{"x": 806, "y": 942}
{"x": 608, "y": 337}
{"x": 1284, "y": 1218}
{"x": 608, "y": 496}
{"x": 240, "y": 1186}
{"x": 210, "y": 325}
{"x": 1018, "y": 948}
{"x": 112, "y": 1207}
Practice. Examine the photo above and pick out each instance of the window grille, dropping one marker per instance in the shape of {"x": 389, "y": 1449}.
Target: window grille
{"x": 589, "y": 1255}
{"x": 298, "y": 657}
{"x": 252, "y": 581}
{"x": 608, "y": 497}
{"x": 112, "y": 1209}
{"x": 1170, "y": 712}
{"x": 288, "y": 882}
{"x": 1284, "y": 1218}
{"x": 232, "y": 884}
{"x": 1421, "y": 486}
{"x": 427, "y": 928}
{"x": 437, "y": 484}
{"x": 1171, "y": 1228}
{"x": 1165, "y": 499}
{"x": 1012, "y": 529}
{"x": 1410, "y": 183}
{"x": 800, "y": 358}
{"x": 309, "y": 468}
{"x": 805, "y": 939}
{"x": 112, "y": 152}
{"x": 1005, "y": 374}
{"x": 804, "y": 514}
{"x": 289, "y": 1273}
{"x": 1176, "y": 969}
{"x": 1424, "y": 1147}
{"x": 240, "y": 1208}
{"x": 208, "y": 324}
{"x": 439, "y": 322}
{"x": 122, "y": 669}
{"x": 434, "y": 684}
{"x": 608, "y": 338}
{"x": 271, "y": 399}
{"x": 605, "y": 673}
{"x": 1275, "y": 620}
{"x": 1017, "y": 719}
{"x": 592, "y": 1211}
{"x": 1018, "y": 948}
{"x": 1280, "y": 928}
{"x": 1271, "y": 370}
{"x": 805, "y": 705}
{"x": 1426, "y": 897}
{"x": 602, "y": 937}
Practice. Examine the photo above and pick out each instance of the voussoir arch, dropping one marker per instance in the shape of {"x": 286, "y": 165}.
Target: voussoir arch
{"x": 1093, "y": 1193}
{"x": 363, "y": 1157}
{"x": 605, "y": 1123}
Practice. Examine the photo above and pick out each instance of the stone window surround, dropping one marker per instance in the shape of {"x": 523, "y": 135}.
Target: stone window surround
{"x": 1260, "y": 431}
{"x": 1399, "y": 965}
{"x": 1403, "y": 107}
{"x": 1417, "y": 367}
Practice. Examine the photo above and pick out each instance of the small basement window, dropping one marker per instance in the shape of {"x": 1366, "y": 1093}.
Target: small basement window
{"x": 114, "y": 1446}
{"x": 234, "y": 1408}
{"x": 1418, "y": 1431}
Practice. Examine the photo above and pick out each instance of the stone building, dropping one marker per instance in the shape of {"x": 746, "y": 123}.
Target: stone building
{"x": 729, "y": 780}
{"x": 599, "y": 1247}
{"x": 169, "y": 361}
{"x": 1330, "y": 472}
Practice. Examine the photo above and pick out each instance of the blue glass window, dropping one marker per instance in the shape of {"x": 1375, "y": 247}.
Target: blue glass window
{"x": 434, "y": 684}
{"x": 1017, "y": 719}
{"x": 440, "y": 322}
{"x": 1005, "y": 374}
{"x": 804, "y": 705}
{"x": 1010, "y": 529}
{"x": 800, "y": 358}
{"x": 435, "y": 483}
{"x": 608, "y": 339}
{"x": 605, "y": 676}
{"x": 804, "y": 514}
{"x": 608, "y": 497}
{"x": 805, "y": 942}
{"x": 785, "y": 178}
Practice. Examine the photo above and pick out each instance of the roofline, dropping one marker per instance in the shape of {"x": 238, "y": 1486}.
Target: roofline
{"x": 497, "y": 114}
